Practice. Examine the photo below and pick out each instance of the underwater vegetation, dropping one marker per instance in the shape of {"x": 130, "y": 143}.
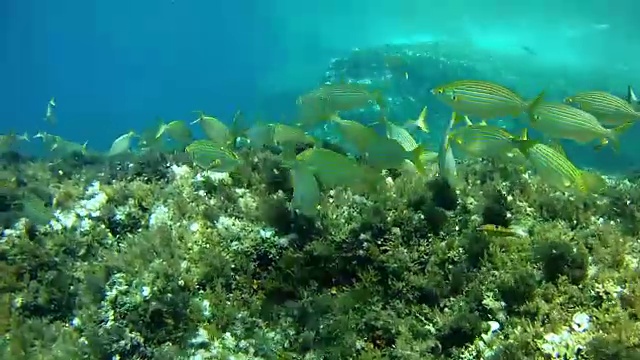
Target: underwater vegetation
{"x": 269, "y": 241}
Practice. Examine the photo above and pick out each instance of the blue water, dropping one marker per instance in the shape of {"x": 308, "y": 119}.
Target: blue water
{"x": 118, "y": 65}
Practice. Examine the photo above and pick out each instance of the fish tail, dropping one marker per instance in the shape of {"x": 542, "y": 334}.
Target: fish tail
{"x": 523, "y": 144}
{"x": 590, "y": 182}
{"x": 417, "y": 155}
{"x": 457, "y": 118}
{"x": 161, "y": 130}
{"x": 525, "y": 134}
{"x": 421, "y": 121}
{"x": 533, "y": 104}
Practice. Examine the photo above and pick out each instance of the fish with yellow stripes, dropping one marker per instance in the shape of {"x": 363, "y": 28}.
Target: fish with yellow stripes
{"x": 609, "y": 109}
{"x": 483, "y": 99}
{"x": 561, "y": 121}
{"x": 558, "y": 171}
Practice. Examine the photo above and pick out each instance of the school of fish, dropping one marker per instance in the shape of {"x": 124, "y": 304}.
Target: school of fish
{"x": 357, "y": 157}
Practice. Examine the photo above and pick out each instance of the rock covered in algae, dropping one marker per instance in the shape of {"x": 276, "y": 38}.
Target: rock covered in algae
{"x": 172, "y": 261}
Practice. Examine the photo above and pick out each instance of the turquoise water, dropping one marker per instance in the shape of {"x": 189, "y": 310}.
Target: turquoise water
{"x": 116, "y": 65}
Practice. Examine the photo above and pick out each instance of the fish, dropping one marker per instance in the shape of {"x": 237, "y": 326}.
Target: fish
{"x": 562, "y": 121}
{"x": 320, "y": 104}
{"x": 122, "y": 144}
{"x": 62, "y": 146}
{"x": 632, "y": 98}
{"x": 401, "y": 135}
{"x": 558, "y": 171}
{"x": 212, "y": 156}
{"x": 177, "y": 130}
{"x": 306, "y": 191}
{"x": 388, "y": 153}
{"x": 333, "y": 169}
{"x": 214, "y": 129}
{"x": 361, "y": 136}
{"x": 483, "y": 99}
{"x": 609, "y": 109}
{"x": 50, "y": 115}
{"x": 447, "y": 169}
{"x": 286, "y": 134}
{"x": 483, "y": 140}
{"x": 501, "y": 231}
{"x": 260, "y": 136}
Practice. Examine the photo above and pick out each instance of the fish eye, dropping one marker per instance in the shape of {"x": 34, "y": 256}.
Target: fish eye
{"x": 454, "y": 97}
{"x": 440, "y": 91}
{"x": 537, "y": 117}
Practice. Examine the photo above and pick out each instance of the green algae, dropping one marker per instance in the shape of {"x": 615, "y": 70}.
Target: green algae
{"x": 178, "y": 262}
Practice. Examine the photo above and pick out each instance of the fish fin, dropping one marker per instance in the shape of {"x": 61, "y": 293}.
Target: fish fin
{"x": 420, "y": 122}
{"x": 525, "y": 134}
{"x": 623, "y": 128}
{"x": 523, "y": 144}
{"x": 533, "y": 104}
{"x": 613, "y": 138}
{"x": 483, "y": 122}
{"x": 457, "y": 118}
{"x": 591, "y": 182}
{"x": 161, "y": 130}
{"x": 557, "y": 146}
{"x": 418, "y": 153}
{"x": 631, "y": 96}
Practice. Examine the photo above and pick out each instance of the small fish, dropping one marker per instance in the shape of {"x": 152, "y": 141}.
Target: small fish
{"x": 561, "y": 121}
{"x": 62, "y": 146}
{"x": 306, "y": 191}
{"x": 122, "y": 144}
{"x": 327, "y": 100}
{"x": 212, "y": 156}
{"x": 177, "y": 130}
{"x": 483, "y": 99}
{"x": 333, "y": 169}
{"x": 50, "y": 115}
{"x": 632, "y": 98}
{"x": 483, "y": 140}
{"x": 558, "y": 171}
{"x": 446, "y": 160}
{"x": 214, "y": 129}
{"x": 388, "y": 153}
{"x": 609, "y": 109}
{"x": 501, "y": 231}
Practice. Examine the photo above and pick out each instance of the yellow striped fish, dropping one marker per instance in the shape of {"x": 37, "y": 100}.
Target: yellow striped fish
{"x": 483, "y": 99}
{"x": 333, "y": 169}
{"x": 561, "y": 121}
{"x": 556, "y": 170}
{"x": 210, "y": 155}
{"x": 483, "y": 140}
{"x": 609, "y": 109}
{"x": 306, "y": 191}
{"x": 321, "y": 103}
{"x": 213, "y": 128}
